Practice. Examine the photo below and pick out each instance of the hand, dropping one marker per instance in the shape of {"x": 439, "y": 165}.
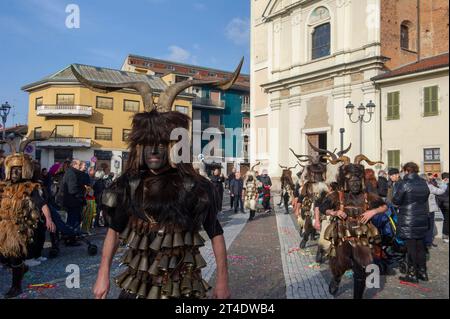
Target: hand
{"x": 101, "y": 287}
{"x": 341, "y": 214}
{"x": 221, "y": 291}
{"x": 317, "y": 224}
{"x": 51, "y": 227}
{"x": 367, "y": 216}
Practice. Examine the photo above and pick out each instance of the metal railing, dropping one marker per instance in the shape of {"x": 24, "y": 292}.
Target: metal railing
{"x": 245, "y": 108}
{"x": 65, "y": 141}
{"x": 64, "y": 110}
{"x": 203, "y": 101}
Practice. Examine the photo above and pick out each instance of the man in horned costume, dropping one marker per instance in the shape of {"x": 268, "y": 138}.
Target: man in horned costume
{"x": 311, "y": 193}
{"x": 21, "y": 208}
{"x": 287, "y": 187}
{"x": 250, "y": 193}
{"x": 157, "y": 207}
{"x": 350, "y": 232}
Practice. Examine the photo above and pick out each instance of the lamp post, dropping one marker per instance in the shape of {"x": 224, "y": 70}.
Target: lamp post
{"x": 4, "y": 112}
{"x": 370, "y": 108}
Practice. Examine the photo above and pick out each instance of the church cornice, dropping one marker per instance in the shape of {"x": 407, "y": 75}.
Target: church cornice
{"x": 269, "y": 15}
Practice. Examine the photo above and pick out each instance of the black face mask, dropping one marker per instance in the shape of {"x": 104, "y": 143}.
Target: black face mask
{"x": 156, "y": 157}
{"x": 16, "y": 174}
{"x": 354, "y": 185}
{"x": 250, "y": 178}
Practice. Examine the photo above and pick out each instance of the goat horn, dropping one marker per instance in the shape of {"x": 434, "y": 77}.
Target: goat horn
{"x": 28, "y": 141}
{"x": 143, "y": 88}
{"x": 253, "y": 167}
{"x": 319, "y": 150}
{"x": 167, "y": 98}
{"x": 302, "y": 158}
{"x": 360, "y": 158}
{"x": 340, "y": 153}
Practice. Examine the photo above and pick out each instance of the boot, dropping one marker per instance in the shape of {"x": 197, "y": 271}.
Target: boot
{"x": 54, "y": 250}
{"x": 334, "y": 286}
{"x": 359, "y": 285}
{"x": 252, "y": 215}
{"x": 17, "y": 277}
{"x": 411, "y": 275}
{"x": 422, "y": 273}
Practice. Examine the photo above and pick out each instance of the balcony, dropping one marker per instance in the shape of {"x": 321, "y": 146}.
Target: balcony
{"x": 64, "y": 110}
{"x": 245, "y": 108}
{"x": 65, "y": 142}
{"x": 203, "y": 102}
{"x": 206, "y": 126}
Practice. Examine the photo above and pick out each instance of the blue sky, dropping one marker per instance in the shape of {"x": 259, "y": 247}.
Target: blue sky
{"x": 35, "y": 42}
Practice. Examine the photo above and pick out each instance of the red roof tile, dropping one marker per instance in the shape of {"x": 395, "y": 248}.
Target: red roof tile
{"x": 427, "y": 64}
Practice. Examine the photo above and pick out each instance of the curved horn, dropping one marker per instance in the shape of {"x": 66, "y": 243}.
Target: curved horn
{"x": 340, "y": 153}
{"x": 302, "y": 158}
{"x": 143, "y": 88}
{"x": 12, "y": 146}
{"x": 289, "y": 168}
{"x": 342, "y": 159}
{"x": 302, "y": 166}
{"x": 283, "y": 167}
{"x": 319, "y": 150}
{"x": 26, "y": 142}
{"x": 360, "y": 158}
{"x": 253, "y": 167}
{"x": 167, "y": 98}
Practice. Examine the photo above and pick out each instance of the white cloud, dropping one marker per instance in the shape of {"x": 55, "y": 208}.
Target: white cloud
{"x": 238, "y": 31}
{"x": 178, "y": 54}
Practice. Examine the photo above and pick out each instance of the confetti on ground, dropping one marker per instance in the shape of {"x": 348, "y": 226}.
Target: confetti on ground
{"x": 415, "y": 286}
{"x": 314, "y": 266}
{"x": 290, "y": 251}
{"x": 41, "y": 286}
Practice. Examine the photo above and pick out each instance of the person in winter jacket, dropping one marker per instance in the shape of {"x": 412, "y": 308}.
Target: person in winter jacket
{"x": 411, "y": 196}
{"x": 443, "y": 205}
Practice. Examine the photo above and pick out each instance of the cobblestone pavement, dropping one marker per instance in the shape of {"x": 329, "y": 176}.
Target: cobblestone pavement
{"x": 264, "y": 262}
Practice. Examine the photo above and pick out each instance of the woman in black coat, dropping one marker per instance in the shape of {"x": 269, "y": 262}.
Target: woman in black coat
{"x": 218, "y": 181}
{"x": 411, "y": 196}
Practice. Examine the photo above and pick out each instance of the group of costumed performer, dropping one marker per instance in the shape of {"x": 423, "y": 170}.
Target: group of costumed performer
{"x": 250, "y": 192}
{"x": 158, "y": 207}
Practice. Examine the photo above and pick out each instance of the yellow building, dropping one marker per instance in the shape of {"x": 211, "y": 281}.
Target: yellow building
{"x": 87, "y": 124}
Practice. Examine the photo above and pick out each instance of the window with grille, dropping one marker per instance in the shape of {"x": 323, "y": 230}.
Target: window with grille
{"x": 321, "y": 39}
{"x": 131, "y": 106}
{"x": 125, "y": 134}
{"x": 404, "y": 36}
{"x": 432, "y": 154}
{"x": 65, "y": 99}
{"x": 106, "y": 103}
{"x": 431, "y": 101}
{"x": 64, "y": 131}
{"x": 394, "y": 159}
{"x": 393, "y": 106}
{"x": 39, "y": 102}
{"x": 103, "y": 134}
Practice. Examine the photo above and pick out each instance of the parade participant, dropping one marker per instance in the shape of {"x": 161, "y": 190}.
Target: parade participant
{"x": 312, "y": 193}
{"x": 266, "y": 182}
{"x": 158, "y": 206}
{"x": 287, "y": 187}
{"x": 20, "y": 211}
{"x": 217, "y": 179}
{"x": 350, "y": 232}
{"x": 250, "y": 193}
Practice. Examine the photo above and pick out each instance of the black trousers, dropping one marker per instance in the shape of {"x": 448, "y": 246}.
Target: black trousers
{"x": 445, "y": 225}
{"x": 238, "y": 203}
{"x": 415, "y": 249}
{"x": 38, "y": 241}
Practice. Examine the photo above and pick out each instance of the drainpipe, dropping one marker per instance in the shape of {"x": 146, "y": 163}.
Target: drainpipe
{"x": 381, "y": 120}
{"x": 418, "y": 31}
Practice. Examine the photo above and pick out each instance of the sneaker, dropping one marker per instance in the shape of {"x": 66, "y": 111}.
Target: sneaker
{"x": 32, "y": 262}
{"x": 41, "y": 259}
{"x": 446, "y": 240}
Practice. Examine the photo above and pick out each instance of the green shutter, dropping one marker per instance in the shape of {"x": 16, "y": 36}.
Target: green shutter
{"x": 431, "y": 100}
{"x": 394, "y": 159}
{"x": 393, "y": 106}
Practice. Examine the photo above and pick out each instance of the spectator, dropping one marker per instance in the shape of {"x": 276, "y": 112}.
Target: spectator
{"x": 236, "y": 189}
{"x": 46, "y": 180}
{"x": 99, "y": 187}
{"x": 91, "y": 173}
{"x": 382, "y": 184}
{"x": 394, "y": 178}
{"x": 231, "y": 177}
{"x": 266, "y": 182}
{"x": 411, "y": 195}
{"x": 433, "y": 207}
{"x": 443, "y": 205}
{"x": 370, "y": 181}
{"x": 217, "y": 181}
{"x": 73, "y": 201}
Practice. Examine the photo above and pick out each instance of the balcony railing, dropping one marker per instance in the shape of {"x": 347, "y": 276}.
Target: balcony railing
{"x": 206, "y": 126}
{"x": 64, "y": 110}
{"x": 208, "y": 103}
{"x": 66, "y": 142}
{"x": 245, "y": 108}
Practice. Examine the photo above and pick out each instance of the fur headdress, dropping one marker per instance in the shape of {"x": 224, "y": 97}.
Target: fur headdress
{"x": 155, "y": 125}
{"x": 19, "y": 159}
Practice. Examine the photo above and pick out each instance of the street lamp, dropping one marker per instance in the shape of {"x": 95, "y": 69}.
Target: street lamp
{"x": 4, "y": 112}
{"x": 370, "y": 108}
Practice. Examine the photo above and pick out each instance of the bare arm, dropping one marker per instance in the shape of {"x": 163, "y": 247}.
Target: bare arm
{"x": 221, "y": 290}
{"x": 110, "y": 247}
{"x": 48, "y": 219}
